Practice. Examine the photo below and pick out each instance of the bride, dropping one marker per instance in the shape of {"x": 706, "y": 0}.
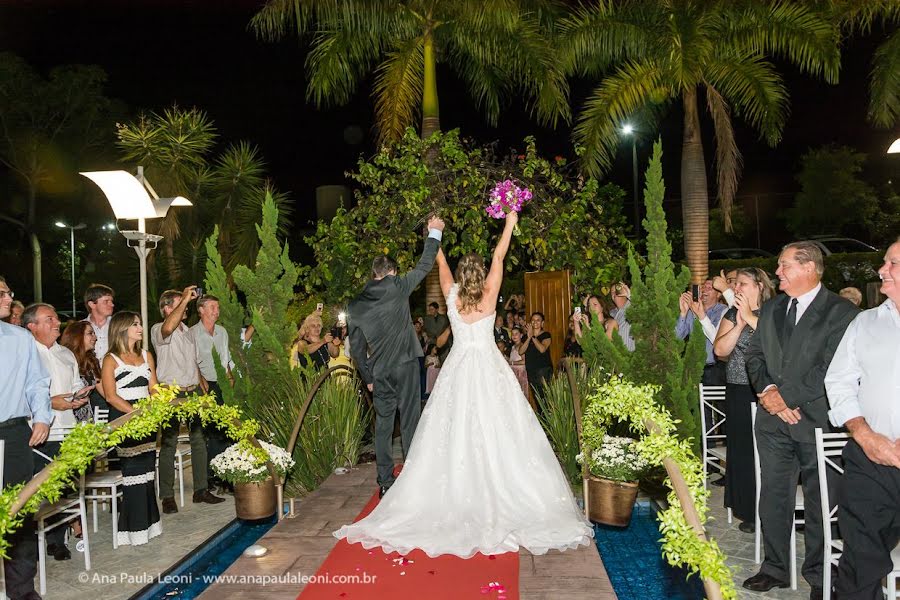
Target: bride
{"x": 480, "y": 475}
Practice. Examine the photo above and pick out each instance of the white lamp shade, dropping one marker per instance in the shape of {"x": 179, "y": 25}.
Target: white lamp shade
{"x": 127, "y": 197}
{"x": 161, "y": 205}
{"x": 895, "y": 147}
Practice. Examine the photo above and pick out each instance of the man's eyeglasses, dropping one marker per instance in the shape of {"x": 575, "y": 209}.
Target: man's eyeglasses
{"x": 4, "y": 294}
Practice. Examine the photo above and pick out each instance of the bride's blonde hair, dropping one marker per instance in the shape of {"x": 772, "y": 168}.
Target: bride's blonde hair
{"x": 470, "y": 278}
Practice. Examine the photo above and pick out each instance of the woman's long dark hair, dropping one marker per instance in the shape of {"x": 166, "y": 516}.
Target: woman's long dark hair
{"x": 73, "y": 339}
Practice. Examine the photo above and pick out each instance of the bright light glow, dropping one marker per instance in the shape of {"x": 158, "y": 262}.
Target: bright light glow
{"x": 127, "y": 197}
{"x": 895, "y": 147}
{"x": 627, "y": 129}
{"x": 342, "y": 317}
{"x": 256, "y": 551}
{"x": 60, "y": 224}
{"x": 109, "y": 226}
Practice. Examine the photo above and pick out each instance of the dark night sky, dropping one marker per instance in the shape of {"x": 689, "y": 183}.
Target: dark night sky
{"x": 201, "y": 54}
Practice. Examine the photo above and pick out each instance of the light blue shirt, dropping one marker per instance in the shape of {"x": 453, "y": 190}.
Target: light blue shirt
{"x": 24, "y": 381}
{"x": 624, "y": 326}
{"x": 685, "y": 326}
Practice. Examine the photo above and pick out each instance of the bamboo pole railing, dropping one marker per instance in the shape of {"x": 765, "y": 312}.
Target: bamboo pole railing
{"x": 32, "y": 486}
{"x": 679, "y": 485}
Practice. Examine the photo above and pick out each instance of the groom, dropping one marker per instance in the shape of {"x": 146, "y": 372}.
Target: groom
{"x": 384, "y": 347}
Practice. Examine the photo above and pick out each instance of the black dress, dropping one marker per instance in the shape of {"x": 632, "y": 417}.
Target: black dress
{"x": 139, "y": 513}
{"x": 740, "y": 477}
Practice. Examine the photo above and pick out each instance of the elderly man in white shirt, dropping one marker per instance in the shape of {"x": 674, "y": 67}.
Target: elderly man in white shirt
{"x": 67, "y": 393}
{"x": 863, "y": 385}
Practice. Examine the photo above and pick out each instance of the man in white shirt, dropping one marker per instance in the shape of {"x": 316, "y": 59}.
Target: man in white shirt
{"x": 208, "y": 335}
{"x": 176, "y": 364}
{"x": 863, "y": 385}
{"x": 621, "y": 297}
{"x": 98, "y": 300}
{"x": 66, "y": 395}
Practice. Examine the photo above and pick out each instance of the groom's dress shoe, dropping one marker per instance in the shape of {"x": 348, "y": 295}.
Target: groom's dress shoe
{"x": 382, "y": 490}
{"x": 763, "y": 582}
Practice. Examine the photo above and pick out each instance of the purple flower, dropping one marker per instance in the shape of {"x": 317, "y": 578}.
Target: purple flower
{"x": 507, "y": 197}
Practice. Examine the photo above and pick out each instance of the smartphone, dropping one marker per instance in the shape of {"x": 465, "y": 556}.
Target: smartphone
{"x": 577, "y": 311}
{"x": 695, "y": 292}
{"x": 199, "y": 292}
{"x": 320, "y": 306}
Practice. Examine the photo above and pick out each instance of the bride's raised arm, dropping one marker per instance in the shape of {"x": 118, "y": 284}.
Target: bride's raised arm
{"x": 495, "y": 275}
{"x": 446, "y": 276}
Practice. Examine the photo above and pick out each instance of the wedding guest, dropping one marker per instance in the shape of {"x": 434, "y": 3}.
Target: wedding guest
{"x": 752, "y": 288}
{"x": 621, "y": 297}
{"x": 537, "y": 353}
{"x": 15, "y": 313}
{"x": 708, "y": 311}
{"x": 67, "y": 394}
{"x": 311, "y": 346}
{"x": 852, "y": 294}
{"x": 724, "y": 283}
{"x": 80, "y": 338}
{"x": 501, "y": 333}
{"x": 594, "y": 315}
{"x": 129, "y": 375}
{"x": 176, "y": 352}
{"x": 98, "y": 300}
{"x": 435, "y": 322}
{"x": 517, "y": 358}
{"x": 511, "y": 316}
{"x": 571, "y": 347}
{"x": 24, "y": 396}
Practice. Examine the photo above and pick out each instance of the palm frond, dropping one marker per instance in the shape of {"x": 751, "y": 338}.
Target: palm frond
{"x": 338, "y": 61}
{"x": 278, "y": 18}
{"x": 754, "y": 90}
{"x": 798, "y": 33}
{"x": 594, "y": 37}
{"x": 398, "y": 89}
{"x": 728, "y": 157}
{"x": 884, "y": 103}
{"x": 859, "y": 17}
{"x": 632, "y": 86}
{"x": 487, "y": 82}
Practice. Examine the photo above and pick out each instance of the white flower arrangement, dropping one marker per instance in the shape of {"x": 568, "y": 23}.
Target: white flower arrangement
{"x": 616, "y": 459}
{"x": 242, "y": 463}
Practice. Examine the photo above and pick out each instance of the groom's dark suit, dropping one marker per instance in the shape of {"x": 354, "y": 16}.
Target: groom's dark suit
{"x": 386, "y": 351}
{"x": 799, "y": 372}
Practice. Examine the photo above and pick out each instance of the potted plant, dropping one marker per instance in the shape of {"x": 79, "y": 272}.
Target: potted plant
{"x": 614, "y": 469}
{"x": 244, "y": 466}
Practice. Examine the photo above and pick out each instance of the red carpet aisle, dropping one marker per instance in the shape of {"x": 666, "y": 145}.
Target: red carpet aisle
{"x": 414, "y": 576}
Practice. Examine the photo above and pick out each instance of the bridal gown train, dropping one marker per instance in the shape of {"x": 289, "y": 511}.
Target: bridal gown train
{"x": 480, "y": 475}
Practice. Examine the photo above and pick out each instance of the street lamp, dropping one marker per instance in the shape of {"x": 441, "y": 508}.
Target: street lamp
{"x": 129, "y": 198}
{"x": 895, "y": 147}
{"x": 628, "y": 129}
{"x": 72, "y": 229}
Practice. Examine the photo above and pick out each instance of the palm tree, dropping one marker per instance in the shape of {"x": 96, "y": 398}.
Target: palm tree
{"x": 495, "y": 46}
{"x": 661, "y": 53}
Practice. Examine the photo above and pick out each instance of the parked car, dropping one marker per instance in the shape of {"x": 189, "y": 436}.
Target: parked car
{"x": 738, "y": 253}
{"x": 841, "y": 245}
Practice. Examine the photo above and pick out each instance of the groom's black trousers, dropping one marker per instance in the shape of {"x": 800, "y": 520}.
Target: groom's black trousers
{"x": 395, "y": 388}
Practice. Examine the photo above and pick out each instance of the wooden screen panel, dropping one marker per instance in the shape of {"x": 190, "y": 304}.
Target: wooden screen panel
{"x": 549, "y": 292}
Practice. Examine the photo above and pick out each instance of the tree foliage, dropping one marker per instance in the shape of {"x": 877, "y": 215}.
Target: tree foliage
{"x": 176, "y": 149}
{"x": 659, "y": 357}
{"x": 497, "y": 48}
{"x": 572, "y": 223}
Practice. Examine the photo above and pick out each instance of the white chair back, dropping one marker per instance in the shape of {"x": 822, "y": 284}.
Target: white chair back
{"x": 712, "y": 400}
{"x": 829, "y": 449}
{"x": 757, "y": 473}
{"x": 101, "y": 415}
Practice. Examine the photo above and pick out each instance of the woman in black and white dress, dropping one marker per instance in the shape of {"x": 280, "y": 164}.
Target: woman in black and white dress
{"x": 128, "y": 376}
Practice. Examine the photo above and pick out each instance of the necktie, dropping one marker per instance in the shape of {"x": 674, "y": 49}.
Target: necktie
{"x": 789, "y": 322}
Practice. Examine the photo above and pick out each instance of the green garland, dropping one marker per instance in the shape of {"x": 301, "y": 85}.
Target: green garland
{"x": 87, "y": 440}
{"x": 635, "y": 404}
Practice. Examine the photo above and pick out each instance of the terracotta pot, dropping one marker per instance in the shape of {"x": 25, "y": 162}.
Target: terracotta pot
{"x": 611, "y": 502}
{"x": 255, "y": 500}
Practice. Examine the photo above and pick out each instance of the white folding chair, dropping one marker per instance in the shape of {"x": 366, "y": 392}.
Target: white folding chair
{"x": 712, "y": 399}
{"x": 829, "y": 448}
{"x": 798, "y": 509}
{"x": 69, "y": 509}
{"x": 102, "y": 487}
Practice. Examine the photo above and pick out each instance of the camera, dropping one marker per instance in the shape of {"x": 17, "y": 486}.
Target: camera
{"x": 199, "y": 291}
{"x": 337, "y": 332}
{"x": 695, "y": 292}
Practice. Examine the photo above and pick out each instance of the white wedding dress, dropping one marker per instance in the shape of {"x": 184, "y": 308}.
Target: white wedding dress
{"x": 480, "y": 475}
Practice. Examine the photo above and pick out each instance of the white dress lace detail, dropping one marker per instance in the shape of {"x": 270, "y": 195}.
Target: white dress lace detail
{"x": 480, "y": 475}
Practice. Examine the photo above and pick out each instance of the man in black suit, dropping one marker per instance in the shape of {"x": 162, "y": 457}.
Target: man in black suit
{"x": 797, "y": 335}
{"x": 386, "y": 351}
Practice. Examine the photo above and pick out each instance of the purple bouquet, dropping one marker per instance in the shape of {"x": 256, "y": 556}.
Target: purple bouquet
{"x": 507, "y": 197}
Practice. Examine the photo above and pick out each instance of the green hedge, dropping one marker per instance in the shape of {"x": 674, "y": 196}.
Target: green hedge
{"x": 841, "y": 270}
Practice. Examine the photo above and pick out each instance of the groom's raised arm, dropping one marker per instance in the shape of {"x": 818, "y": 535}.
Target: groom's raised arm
{"x": 410, "y": 281}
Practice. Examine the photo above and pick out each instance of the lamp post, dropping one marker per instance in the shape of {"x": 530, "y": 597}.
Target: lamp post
{"x": 628, "y": 130}
{"x": 72, "y": 229}
{"x": 129, "y": 198}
